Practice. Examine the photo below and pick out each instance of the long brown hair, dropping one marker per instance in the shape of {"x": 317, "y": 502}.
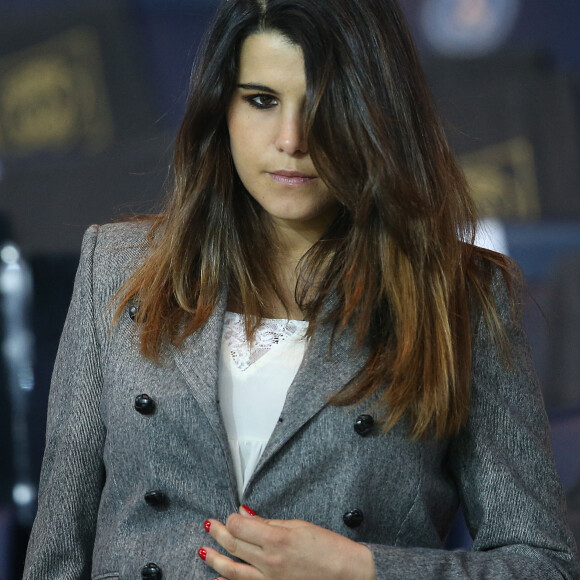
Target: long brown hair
{"x": 399, "y": 256}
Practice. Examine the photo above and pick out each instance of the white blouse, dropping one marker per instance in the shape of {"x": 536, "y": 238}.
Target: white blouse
{"x": 253, "y": 383}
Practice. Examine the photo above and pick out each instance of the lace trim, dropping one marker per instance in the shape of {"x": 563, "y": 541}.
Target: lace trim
{"x": 271, "y": 332}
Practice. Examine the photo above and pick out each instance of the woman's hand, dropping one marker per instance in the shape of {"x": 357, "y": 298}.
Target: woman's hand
{"x": 284, "y": 550}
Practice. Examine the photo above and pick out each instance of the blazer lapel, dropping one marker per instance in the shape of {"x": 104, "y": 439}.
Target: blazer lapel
{"x": 198, "y": 361}
{"x": 321, "y": 375}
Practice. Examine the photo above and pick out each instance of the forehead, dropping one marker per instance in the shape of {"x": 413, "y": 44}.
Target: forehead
{"x": 269, "y": 57}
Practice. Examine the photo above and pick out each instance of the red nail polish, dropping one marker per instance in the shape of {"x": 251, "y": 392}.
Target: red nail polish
{"x": 202, "y": 553}
{"x": 249, "y": 510}
{"x": 207, "y": 525}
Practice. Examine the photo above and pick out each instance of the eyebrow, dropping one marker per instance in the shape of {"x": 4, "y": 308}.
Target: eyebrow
{"x": 257, "y": 87}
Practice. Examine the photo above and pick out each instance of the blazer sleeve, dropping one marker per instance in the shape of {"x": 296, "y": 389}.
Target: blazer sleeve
{"x": 72, "y": 473}
{"x": 503, "y": 466}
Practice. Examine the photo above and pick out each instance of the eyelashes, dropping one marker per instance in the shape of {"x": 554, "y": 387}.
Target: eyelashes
{"x": 261, "y": 101}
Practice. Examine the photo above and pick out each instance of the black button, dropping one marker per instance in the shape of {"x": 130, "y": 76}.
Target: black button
{"x": 151, "y": 572}
{"x": 133, "y": 309}
{"x": 145, "y": 404}
{"x": 353, "y": 518}
{"x": 364, "y": 425}
{"x": 155, "y": 498}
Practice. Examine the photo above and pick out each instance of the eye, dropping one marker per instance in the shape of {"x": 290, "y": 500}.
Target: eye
{"x": 261, "y": 101}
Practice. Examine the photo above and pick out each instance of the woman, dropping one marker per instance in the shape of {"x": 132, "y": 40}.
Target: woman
{"x": 308, "y": 330}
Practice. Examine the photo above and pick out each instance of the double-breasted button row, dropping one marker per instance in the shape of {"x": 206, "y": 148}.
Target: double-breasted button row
{"x": 151, "y": 571}
{"x": 353, "y": 518}
{"x": 364, "y": 424}
{"x": 155, "y": 498}
{"x": 132, "y": 311}
{"x": 144, "y": 404}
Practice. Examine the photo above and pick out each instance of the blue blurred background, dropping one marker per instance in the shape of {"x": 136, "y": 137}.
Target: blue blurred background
{"x": 92, "y": 92}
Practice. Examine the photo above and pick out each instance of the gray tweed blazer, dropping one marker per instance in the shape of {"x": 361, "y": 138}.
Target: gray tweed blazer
{"x": 103, "y": 456}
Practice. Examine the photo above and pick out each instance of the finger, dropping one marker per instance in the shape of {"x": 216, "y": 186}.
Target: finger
{"x": 236, "y": 546}
{"x": 228, "y": 568}
{"x": 244, "y": 510}
{"x": 253, "y": 530}
{"x": 288, "y": 524}
{"x": 248, "y": 512}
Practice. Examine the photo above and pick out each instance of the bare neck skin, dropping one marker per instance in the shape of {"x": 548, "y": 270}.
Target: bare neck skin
{"x": 294, "y": 240}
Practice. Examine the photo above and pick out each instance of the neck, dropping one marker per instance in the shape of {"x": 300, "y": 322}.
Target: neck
{"x": 291, "y": 241}
{"x": 295, "y": 238}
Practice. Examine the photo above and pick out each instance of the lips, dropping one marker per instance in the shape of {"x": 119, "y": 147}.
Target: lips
{"x": 291, "y": 177}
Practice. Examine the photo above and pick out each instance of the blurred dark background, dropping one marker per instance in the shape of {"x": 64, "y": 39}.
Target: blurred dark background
{"x": 91, "y": 94}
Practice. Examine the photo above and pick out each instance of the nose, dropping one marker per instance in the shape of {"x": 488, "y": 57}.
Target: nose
{"x": 290, "y": 138}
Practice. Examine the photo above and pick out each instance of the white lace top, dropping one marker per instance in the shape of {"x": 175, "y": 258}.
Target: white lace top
{"x": 253, "y": 382}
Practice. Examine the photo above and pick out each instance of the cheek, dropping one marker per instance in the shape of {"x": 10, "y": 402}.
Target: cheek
{"x": 241, "y": 143}
{"x": 240, "y": 128}
{"x": 233, "y": 134}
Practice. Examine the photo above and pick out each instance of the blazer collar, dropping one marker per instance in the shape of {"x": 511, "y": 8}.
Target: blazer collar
{"x": 198, "y": 357}
{"x": 198, "y": 360}
{"x": 321, "y": 374}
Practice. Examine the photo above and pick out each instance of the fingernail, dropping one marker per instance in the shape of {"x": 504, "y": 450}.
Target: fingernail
{"x": 249, "y": 510}
{"x": 202, "y": 553}
{"x": 207, "y": 525}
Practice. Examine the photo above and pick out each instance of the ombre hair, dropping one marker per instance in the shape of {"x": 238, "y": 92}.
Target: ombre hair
{"x": 399, "y": 258}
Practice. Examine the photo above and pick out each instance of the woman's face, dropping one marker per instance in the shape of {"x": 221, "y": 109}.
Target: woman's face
{"x": 268, "y": 147}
